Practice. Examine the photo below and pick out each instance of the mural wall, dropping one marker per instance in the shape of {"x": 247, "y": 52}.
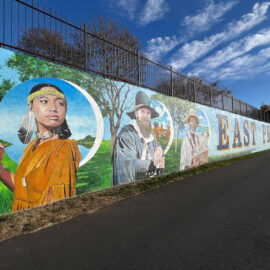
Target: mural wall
{"x": 64, "y": 132}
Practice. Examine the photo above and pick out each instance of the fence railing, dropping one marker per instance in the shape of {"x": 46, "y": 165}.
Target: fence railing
{"x": 29, "y": 28}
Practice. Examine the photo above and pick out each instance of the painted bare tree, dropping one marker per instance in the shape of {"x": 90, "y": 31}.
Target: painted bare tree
{"x": 111, "y": 51}
{"x": 114, "y": 99}
{"x": 117, "y": 59}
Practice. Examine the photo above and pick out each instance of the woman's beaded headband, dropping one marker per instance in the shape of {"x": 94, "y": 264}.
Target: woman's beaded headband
{"x": 45, "y": 91}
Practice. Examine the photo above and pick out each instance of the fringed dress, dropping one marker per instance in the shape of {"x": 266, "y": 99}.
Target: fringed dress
{"x": 46, "y": 173}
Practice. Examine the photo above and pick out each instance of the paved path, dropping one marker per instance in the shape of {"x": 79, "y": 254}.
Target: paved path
{"x": 216, "y": 220}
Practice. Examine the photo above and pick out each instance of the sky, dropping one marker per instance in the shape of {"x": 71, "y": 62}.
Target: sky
{"x": 226, "y": 41}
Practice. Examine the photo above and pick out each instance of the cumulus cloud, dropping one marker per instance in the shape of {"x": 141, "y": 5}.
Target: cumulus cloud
{"x": 153, "y": 10}
{"x": 160, "y": 46}
{"x": 190, "y": 52}
{"x": 205, "y": 18}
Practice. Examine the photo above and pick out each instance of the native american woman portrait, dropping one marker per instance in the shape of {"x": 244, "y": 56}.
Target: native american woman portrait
{"x": 48, "y": 167}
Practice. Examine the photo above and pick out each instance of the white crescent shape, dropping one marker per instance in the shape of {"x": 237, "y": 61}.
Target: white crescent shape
{"x": 99, "y": 121}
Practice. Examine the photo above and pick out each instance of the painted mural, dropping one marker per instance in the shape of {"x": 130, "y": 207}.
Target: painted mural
{"x": 64, "y": 133}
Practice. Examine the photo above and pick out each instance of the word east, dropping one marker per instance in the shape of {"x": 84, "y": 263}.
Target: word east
{"x": 243, "y": 136}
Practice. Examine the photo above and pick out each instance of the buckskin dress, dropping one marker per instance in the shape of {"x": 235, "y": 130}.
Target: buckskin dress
{"x": 46, "y": 173}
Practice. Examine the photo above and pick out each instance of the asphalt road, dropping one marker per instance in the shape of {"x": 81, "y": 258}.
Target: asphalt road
{"x": 216, "y": 220}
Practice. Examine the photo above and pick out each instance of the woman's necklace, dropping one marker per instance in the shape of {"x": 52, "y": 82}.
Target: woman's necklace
{"x": 45, "y": 135}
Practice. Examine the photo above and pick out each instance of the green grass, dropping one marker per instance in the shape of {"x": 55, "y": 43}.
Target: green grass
{"x": 96, "y": 174}
{"x": 172, "y": 158}
{"x": 162, "y": 140}
{"x": 14, "y": 224}
{"x": 6, "y": 144}
{"x": 6, "y": 196}
{"x": 87, "y": 142}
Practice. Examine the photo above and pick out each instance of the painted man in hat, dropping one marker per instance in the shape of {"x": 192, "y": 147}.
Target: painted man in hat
{"x": 137, "y": 153}
{"x": 190, "y": 145}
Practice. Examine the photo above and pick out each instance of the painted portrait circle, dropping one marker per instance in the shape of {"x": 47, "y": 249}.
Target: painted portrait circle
{"x": 83, "y": 117}
{"x": 163, "y": 125}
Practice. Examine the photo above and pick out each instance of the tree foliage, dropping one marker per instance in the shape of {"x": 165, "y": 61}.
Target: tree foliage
{"x": 29, "y": 68}
{"x": 115, "y": 59}
{"x": 178, "y": 109}
{"x": 5, "y": 86}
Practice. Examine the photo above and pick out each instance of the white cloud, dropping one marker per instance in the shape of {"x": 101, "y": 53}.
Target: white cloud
{"x": 128, "y": 6}
{"x": 124, "y": 8}
{"x": 158, "y": 47}
{"x": 153, "y": 10}
{"x": 190, "y": 52}
{"x": 204, "y": 19}
{"x": 244, "y": 66}
{"x": 235, "y": 49}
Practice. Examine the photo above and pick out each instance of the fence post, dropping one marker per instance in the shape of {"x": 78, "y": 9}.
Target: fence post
{"x": 139, "y": 68}
{"x": 85, "y": 48}
{"x": 210, "y": 95}
{"x": 171, "y": 81}
{"x": 194, "y": 88}
{"x": 240, "y": 107}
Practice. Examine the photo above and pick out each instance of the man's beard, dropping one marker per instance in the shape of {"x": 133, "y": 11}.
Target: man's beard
{"x": 145, "y": 127}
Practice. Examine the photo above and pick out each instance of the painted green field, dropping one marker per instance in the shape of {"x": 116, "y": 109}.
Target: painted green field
{"x": 172, "y": 159}
{"x": 6, "y": 196}
{"x": 95, "y": 175}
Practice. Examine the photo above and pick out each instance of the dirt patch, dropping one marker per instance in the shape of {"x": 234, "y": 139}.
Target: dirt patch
{"x": 21, "y": 222}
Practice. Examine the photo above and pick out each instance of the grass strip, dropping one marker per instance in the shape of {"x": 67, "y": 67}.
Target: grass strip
{"x": 27, "y": 221}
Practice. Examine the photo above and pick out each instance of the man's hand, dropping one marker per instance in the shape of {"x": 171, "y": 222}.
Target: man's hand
{"x": 159, "y": 159}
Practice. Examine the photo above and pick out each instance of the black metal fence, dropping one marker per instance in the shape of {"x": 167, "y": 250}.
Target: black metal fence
{"x": 29, "y": 28}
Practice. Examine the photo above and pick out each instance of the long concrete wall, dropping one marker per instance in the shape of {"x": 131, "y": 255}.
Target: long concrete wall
{"x": 120, "y": 133}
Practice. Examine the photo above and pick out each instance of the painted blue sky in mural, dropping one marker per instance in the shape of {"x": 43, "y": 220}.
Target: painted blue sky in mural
{"x": 14, "y": 105}
{"x": 220, "y": 40}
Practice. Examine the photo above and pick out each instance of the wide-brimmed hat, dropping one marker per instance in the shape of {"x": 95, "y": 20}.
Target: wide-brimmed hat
{"x": 192, "y": 113}
{"x": 142, "y": 101}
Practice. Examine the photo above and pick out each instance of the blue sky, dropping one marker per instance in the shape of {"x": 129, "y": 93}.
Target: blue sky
{"x": 217, "y": 40}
